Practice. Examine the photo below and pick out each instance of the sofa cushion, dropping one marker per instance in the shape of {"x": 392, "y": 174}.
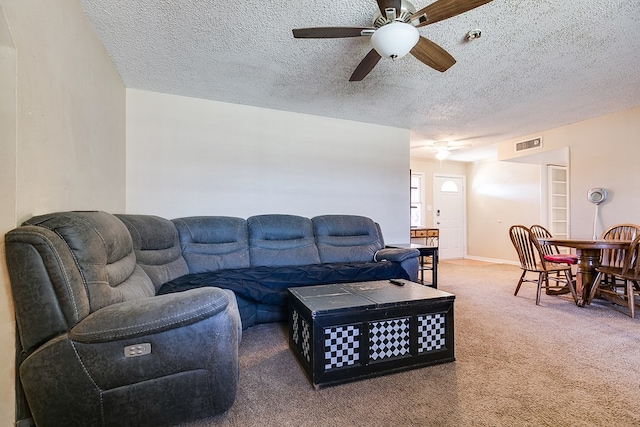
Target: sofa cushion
{"x": 156, "y": 245}
{"x": 103, "y": 251}
{"x": 278, "y": 240}
{"x": 346, "y": 238}
{"x": 269, "y": 284}
{"x": 211, "y": 243}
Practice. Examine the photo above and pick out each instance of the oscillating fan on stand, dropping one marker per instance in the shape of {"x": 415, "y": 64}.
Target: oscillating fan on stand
{"x": 596, "y": 196}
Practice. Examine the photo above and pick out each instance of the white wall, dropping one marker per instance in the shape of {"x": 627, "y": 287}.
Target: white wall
{"x": 500, "y": 194}
{"x": 603, "y": 152}
{"x": 7, "y": 215}
{"x": 189, "y": 156}
{"x": 71, "y": 111}
{"x": 62, "y": 129}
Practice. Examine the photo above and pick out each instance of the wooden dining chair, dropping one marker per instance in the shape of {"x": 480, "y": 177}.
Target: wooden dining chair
{"x": 628, "y": 274}
{"x": 532, "y": 260}
{"x": 552, "y": 252}
{"x": 616, "y": 257}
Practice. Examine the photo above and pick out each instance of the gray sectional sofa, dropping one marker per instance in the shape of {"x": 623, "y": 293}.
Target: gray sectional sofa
{"x": 135, "y": 320}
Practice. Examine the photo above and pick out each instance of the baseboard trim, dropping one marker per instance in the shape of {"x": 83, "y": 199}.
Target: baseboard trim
{"x": 492, "y": 260}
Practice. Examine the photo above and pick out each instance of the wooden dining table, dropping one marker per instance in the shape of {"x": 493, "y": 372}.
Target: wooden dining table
{"x": 588, "y": 252}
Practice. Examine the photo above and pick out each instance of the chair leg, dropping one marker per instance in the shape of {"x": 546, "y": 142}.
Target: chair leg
{"x": 546, "y": 284}
{"x": 572, "y": 287}
{"x": 520, "y": 282}
{"x": 636, "y": 288}
{"x": 630, "y": 299}
{"x": 595, "y": 286}
{"x": 542, "y": 277}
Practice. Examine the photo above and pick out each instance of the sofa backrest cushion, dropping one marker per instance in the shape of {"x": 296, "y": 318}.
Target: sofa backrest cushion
{"x": 279, "y": 240}
{"x": 64, "y": 266}
{"x": 346, "y": 238}
{"x": 157, "y": 248}
{"x": 211, "y": 243}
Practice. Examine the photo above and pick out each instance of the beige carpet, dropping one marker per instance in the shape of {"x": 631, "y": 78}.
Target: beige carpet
{"x": 517, "y": 364}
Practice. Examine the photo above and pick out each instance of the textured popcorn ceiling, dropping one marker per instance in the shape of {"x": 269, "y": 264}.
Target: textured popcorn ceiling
{"x": 539, "y": 64}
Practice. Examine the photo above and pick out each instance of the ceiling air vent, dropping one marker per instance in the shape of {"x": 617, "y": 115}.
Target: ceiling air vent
{"x": 529, "y": 145}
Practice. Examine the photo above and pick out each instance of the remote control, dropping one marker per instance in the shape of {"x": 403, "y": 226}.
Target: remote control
{"x": 397, "y": 282}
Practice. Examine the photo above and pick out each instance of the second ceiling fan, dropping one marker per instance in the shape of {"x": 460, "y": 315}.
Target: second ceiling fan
{"x": 394, "y": 33}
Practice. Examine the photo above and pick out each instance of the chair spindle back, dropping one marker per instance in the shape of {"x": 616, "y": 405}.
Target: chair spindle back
{"x": 631, "y": 267}
{"x": 542, "y": 233}
{"x": 527, "y": 247}
{"x": 616, "y": 257}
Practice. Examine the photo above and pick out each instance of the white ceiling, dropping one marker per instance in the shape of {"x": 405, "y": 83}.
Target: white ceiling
{"x": 539, "y": 64}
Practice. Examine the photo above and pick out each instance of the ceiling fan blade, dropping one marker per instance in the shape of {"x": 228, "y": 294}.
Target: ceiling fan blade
{"x": 365, "y": 66}
{"x": 328, "y": 32}
{"x": 432, "y": 55}
{"x": 443, "y": 9}
{"x": 389, "y": 4}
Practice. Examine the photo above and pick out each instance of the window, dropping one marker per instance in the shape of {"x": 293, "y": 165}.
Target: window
{"x": 449, "y": 187}
{"x": 417, "y": 191}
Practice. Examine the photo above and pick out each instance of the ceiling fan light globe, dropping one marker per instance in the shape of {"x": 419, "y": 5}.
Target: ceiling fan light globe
{"x": 442, "y": 153}
{"x": 395, "y": 39}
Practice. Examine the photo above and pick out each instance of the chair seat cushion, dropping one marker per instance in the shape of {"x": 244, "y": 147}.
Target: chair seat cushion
{"x": 562, "y": 258}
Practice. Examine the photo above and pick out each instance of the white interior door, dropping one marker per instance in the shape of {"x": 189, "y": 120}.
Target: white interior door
{"x": 449, "y": 214}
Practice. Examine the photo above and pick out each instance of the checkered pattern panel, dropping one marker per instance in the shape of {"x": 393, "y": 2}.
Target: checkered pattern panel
{"x": 341, "y": 346}
{"x": 295, "y": 327}
{"x": 306, "y": 340}
{"x": 431, "y": 332}
{"x": 388, "y": 338}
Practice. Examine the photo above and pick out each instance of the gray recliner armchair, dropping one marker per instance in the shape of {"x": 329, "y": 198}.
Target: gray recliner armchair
{"x": 98, "y": 346}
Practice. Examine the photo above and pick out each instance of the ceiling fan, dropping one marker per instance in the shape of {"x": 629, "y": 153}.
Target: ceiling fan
{"x": 444, "y": 148}
{"x": 394, "y": 33}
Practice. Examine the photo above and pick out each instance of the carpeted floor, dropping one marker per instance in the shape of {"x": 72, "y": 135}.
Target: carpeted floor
{"x": 517, "y": 364}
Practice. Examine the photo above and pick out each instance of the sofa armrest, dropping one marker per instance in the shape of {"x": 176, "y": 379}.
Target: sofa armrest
{"x": 152, "y": 315}
{"x": 89, "y": 376}
{"x": 395, "y": 254}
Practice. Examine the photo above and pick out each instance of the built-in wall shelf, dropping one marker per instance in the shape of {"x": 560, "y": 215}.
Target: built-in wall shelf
{"x": 558, "y": 215}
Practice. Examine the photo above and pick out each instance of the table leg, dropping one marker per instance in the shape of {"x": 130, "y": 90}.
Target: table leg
{"x": 588, "y": 261}
{"x": 433, "y": 253}
{"x": 435, "y": 268}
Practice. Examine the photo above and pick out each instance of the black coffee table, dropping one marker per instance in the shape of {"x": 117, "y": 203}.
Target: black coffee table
{"x": 345, "y": 332}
